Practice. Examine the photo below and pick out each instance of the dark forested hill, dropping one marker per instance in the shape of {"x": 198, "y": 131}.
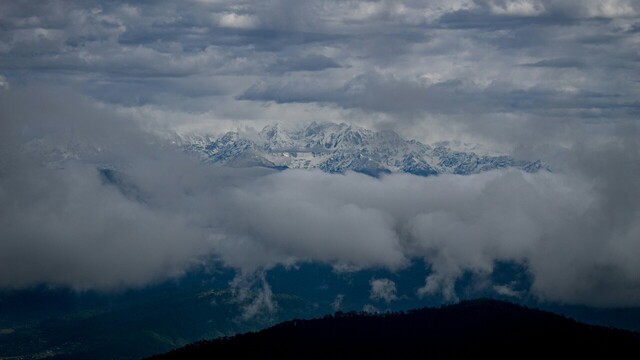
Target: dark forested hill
{"x": 470, "y": 328}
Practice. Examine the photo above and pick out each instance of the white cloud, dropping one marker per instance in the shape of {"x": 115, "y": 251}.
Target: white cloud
{"x": 237, "y": 21}
{"x": 368, "y": 308}
{"x": 506, "y": 290}
{"x": 603, "y": 8}
{"x": 383, "y": 289}
{"x": 337, "y": 302}
{"x": 254, "y": 294}
{"x": 517, "y": 8}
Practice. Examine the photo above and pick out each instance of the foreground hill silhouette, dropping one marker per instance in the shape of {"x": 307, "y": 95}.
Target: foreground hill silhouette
{"x": 471, "y": 328}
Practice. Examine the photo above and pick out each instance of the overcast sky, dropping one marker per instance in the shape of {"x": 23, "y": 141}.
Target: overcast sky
{"x": 556, "y": 80}
{"x": 504, "y": 72}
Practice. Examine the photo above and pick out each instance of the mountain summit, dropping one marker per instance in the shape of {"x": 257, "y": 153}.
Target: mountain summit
{"x": 337, "y": 148}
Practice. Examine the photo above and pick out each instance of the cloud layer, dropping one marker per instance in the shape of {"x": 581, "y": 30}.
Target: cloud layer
{"x": 156, "y": 213}
{"x": 511, "y": 74}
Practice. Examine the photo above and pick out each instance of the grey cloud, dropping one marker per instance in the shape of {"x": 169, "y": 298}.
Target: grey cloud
{"x": 157, "y": 54}
{"x": 292, "y": 91}
{"x": 61, "y": 225}
{"x": 473, "y": 19}
{"x": 459, "y": 225}
{"x": 506, "y": 14}
{"x": 93, "y": 38}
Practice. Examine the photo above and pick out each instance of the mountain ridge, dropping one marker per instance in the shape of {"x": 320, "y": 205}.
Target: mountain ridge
{"x": 337, "y": 148}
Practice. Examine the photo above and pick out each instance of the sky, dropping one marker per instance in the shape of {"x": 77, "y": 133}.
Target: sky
{"x": 103, "y": 84}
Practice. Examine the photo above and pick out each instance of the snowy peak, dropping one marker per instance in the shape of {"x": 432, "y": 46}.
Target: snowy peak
{"x": 318, "y": 137}
{"x": 337, "y": 148}
{"x": 274, "y": 137}
{"x": 328, "y": 136}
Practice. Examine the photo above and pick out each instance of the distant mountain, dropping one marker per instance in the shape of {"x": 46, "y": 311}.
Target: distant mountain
{"x": 337, "y": 148}
{"x": 466, "y": 330}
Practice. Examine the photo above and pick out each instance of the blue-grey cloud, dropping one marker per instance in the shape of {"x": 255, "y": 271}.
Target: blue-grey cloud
{"x": 558, "y": 63}
{"x": 305, "y": 63}
{"x": 380, "y": 93}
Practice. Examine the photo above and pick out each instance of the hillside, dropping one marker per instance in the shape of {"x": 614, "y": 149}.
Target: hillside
{"x": 471, "y": 328}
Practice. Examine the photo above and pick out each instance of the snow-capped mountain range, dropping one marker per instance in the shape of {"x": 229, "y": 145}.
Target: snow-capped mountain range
{"x": 336, "y": 148}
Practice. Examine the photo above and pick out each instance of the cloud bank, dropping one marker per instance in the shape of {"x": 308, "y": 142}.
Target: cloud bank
{"x": 91, "y": 201}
